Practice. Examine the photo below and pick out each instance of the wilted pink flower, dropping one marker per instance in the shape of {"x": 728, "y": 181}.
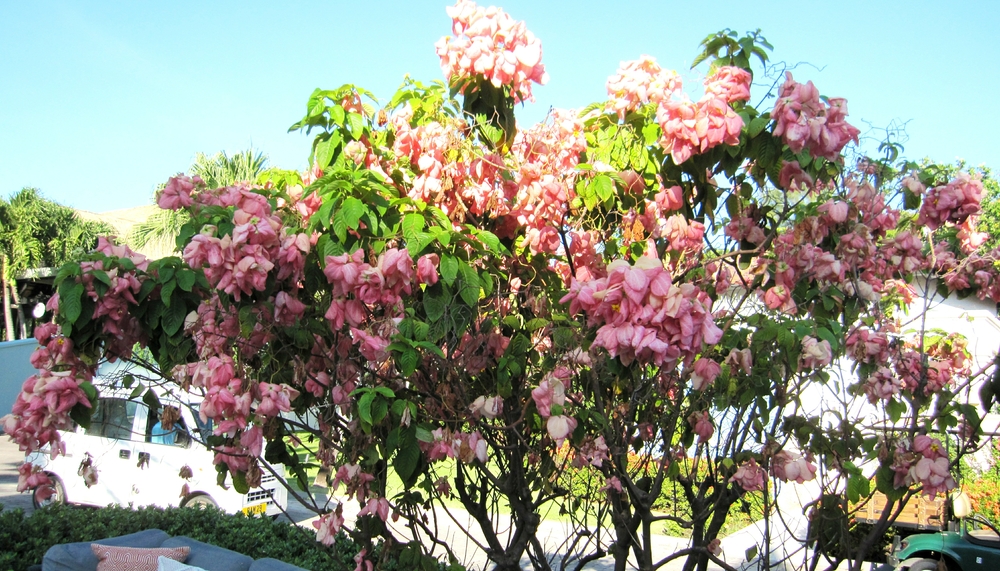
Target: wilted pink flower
{"x": 740, "y": 359}
{"x": 488, "y": 408}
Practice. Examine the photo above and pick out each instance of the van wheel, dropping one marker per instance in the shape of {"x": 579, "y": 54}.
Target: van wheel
{"x": 58, "y": 494}
{"x": 925, "y": 565}
{"x": 200, "y": 501}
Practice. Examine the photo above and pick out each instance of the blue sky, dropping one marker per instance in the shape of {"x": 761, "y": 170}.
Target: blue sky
{"x": 101, "y": 101}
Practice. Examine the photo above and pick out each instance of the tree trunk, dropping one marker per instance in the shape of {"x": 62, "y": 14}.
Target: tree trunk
{"x": 7, "y": 322}
{"x": 22, "y": 328}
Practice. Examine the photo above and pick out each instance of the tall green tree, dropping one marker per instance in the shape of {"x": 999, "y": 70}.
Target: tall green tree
{"x": 38, "y": 233}
{"x": 217, "y": 171}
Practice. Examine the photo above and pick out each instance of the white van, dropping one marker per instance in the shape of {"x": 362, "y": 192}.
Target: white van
{"x": 138, "y": 463}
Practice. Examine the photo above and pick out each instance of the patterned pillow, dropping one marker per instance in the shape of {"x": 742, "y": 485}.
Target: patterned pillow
{"x": 111, "y": 558}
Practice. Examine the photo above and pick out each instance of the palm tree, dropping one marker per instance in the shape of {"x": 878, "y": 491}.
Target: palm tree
{"x": 38, "y": 233}
{"x": 217, "y": 171}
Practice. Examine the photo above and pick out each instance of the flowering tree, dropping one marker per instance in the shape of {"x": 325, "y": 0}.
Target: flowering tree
{"x": 476, "y": 309}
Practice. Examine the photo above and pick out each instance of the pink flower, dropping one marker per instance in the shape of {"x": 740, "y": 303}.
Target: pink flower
{"x": 816, "y": 354}
{"x": 750, "y": 476}
{"x": 703, "y": 374}
{"x": 376, "y": 506}
{"x": 176, "y": 194}
{"x": 328, "y": 525}
{"x": 792, "y": 177}
{"x": 702, "y": 425}
{"x": 740, "y": 359}
{"x": 275, "y": 399}
{"x": 488, "y": 408}
{"x": 30, "y": 476}
{"x": 639, "y": 82}
{"x": 715, "y": 547}
{"x": 791, "y": 467}
{"x": 953, "y": 202}
{"x": 559, "y": 427}
{"x": 490, "y": 44}
{"x": 729, "y": 83}
{"x": 780, "y": 298}
{"x": 803, "y": 121}
{"x": 427, "y": 272}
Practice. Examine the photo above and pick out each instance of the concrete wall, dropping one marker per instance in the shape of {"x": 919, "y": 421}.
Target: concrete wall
{"x": 15, "y": 367}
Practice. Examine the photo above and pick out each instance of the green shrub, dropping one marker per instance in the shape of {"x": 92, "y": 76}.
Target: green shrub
{"x": 24, "y": 540}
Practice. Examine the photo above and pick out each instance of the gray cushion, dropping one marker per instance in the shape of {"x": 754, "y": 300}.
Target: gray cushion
{"x": 210, "y": 556}
{"x": 79, "y": 556}
{"x": 268, "y": 564}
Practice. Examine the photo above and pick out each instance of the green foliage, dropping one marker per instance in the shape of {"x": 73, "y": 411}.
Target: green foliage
{"x": 25, "y": 539}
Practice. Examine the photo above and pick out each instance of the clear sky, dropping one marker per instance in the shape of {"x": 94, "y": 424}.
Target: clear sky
{"x": 101, "y": 101}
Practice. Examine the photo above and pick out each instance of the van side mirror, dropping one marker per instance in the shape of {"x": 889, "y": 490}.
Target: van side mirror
{"x": 961, "y": 505}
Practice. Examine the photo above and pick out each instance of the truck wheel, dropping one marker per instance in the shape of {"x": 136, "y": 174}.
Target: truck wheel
{"x": 58, "y": 495}
{"x": 200, "y": 501}
{"x": 926, "y": 565}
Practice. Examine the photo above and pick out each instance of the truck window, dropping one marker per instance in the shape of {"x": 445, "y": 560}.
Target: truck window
{"x": 113, "y": 419}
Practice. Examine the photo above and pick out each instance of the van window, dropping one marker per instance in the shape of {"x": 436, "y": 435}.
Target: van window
{"x": 177, "y": 435}
{"x": 113, "y": 419}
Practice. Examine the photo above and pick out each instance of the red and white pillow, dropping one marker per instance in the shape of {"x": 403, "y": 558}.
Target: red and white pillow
{"x": 110, "y": 558}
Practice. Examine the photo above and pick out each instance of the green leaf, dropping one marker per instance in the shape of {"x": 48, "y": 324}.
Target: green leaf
{"x": 413, "y": 224}
{"x": 356, "y": 124}
{"x": 185, "y": 280}
{"x": 151, "y": 400}
{"x": 434, "y": 303}
{"x": 408, "y": 361}
{"x": 365, "y": 406}
{"x": 407, "y": 457}
{"x": 173, "y": 319}
{"x": 166, "y": 291}
{"x": 449, "y": 269}
{"x": 352, "y": 209}
{"x": 757, "y": 125}
{"x": 240, "y": 482}
{"x": 70, "y": 300}
{"x": 470, "y": 284}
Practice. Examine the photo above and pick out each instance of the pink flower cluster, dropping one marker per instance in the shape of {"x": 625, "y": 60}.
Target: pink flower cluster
{"x": 545, "y": 159}
{"x": 925, "y": 463}
{"x": 642, "y": 316}
{"x": 953, "y": 202}
{"x": 360, "y": 289}
{"x": 43, "y": 406}
{"x": 749, "y": 476}
{"x": 449, "y": 444}
{"x": 550, "y": 398}
{"x": 694, "y": 128}
{"x": 729, "y": 83}
{"x": 490, "y": 44}
{"x": 803, "y": 121}
{"x": 702, "y": 426}
{"x": 639, "y": 82}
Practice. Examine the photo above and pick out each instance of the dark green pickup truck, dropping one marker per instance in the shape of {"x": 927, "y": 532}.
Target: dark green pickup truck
{"x": 967, "y": 549}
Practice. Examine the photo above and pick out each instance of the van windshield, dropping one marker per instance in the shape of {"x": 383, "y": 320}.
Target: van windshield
{"x": 204, "y": 428}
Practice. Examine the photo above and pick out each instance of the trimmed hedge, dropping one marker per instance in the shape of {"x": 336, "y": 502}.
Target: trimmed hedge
{"x": 24, "y": 540}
